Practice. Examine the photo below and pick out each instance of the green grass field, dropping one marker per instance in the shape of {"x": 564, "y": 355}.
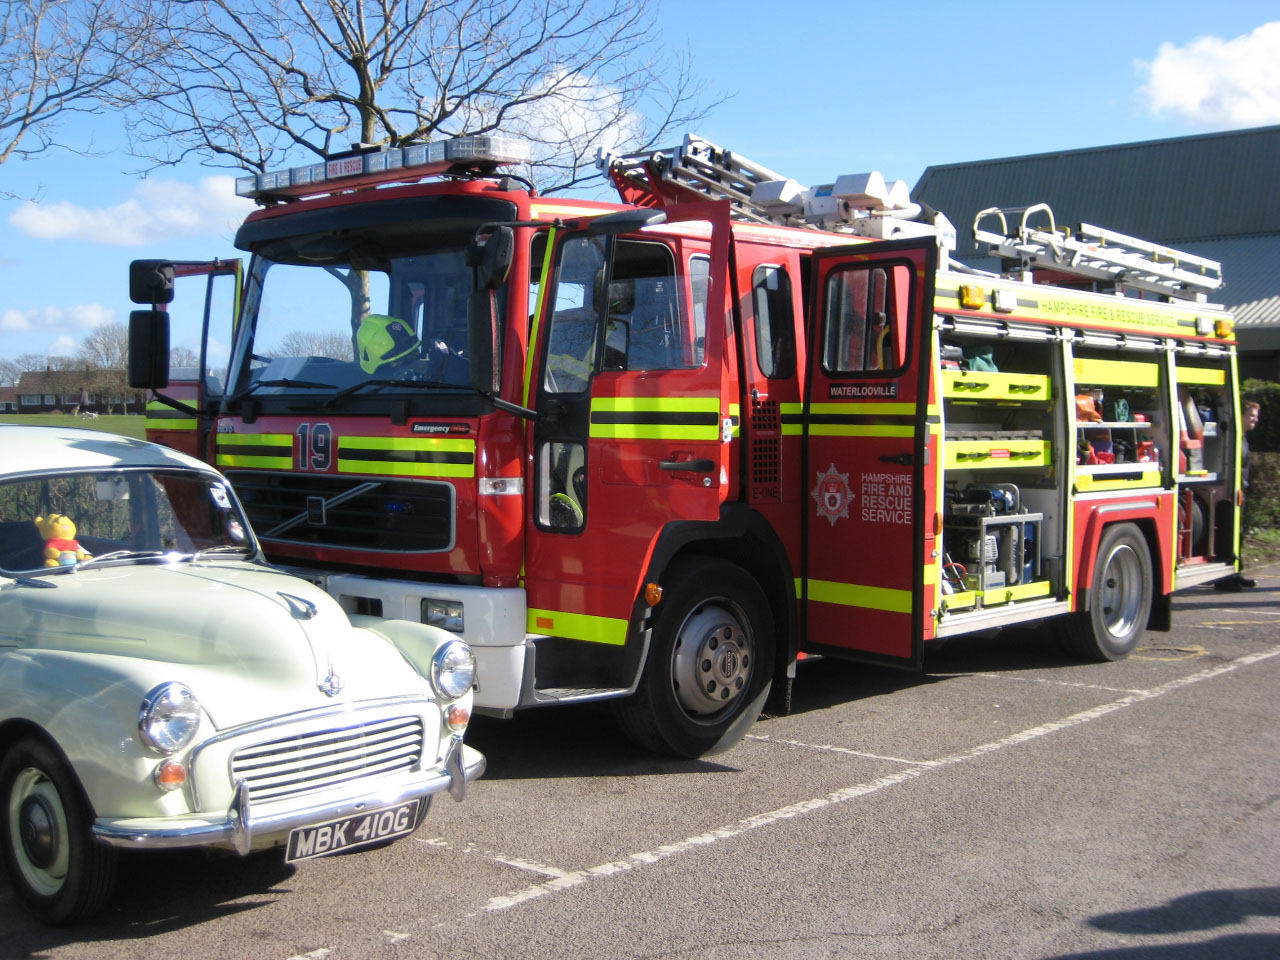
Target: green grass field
{"x": 128, "y": 426}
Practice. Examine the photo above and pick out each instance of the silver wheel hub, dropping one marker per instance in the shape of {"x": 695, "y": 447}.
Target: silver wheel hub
{"x": 1121, "y": 591}
{"x": 711, "y": 666}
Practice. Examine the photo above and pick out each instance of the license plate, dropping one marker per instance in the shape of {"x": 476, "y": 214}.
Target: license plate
{"x": 351, "y": 832}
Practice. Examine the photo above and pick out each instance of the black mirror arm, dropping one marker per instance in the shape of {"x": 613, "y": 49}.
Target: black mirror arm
{"x": 509, "y": 407}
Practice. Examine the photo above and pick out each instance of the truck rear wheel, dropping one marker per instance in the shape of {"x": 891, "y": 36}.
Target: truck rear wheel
{"x": 710, "y": 662}
{"x": 1119, "y": 599}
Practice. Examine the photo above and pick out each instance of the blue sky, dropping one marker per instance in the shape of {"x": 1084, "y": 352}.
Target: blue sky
{"x": 816, "y": 88}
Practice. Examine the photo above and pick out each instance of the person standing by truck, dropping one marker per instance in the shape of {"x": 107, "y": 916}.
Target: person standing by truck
{"x": 1249, "y": 411}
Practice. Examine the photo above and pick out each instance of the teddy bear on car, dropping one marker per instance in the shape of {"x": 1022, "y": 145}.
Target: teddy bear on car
{"x": 61, "y": 548}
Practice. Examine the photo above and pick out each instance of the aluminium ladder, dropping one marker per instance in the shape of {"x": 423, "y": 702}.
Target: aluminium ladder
{"x": 1099, "y": 254}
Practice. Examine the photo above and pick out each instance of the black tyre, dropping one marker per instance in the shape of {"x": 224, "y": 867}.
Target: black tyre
{"x": 55, "y": 865}
{"x": 710, "y": 662}
{"x": 1119, "y": 599}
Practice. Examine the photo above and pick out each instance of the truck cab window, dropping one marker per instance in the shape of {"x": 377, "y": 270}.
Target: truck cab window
{"x": 863, "y": 322}
{"x": 775, "y": 322}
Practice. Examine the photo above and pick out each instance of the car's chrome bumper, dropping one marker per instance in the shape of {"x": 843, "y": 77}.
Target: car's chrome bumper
{"x": 242, "y": 825}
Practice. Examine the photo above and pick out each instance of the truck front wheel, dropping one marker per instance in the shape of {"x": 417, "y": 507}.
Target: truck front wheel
{"x": 709, "y": 665}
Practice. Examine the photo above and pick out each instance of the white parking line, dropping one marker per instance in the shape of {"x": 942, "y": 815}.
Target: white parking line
{"x": 517, "y": 862}
{"x": 834, "y": 749}
{"x": 1052, "y": 683}
{"x": 576, "y": 878}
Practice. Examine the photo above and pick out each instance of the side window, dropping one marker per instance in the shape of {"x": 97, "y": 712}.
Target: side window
{"x": 864, "y": 319}
{"x": 700, "y": 285}
{"x": 775, "y": 322}
{"x": 562, "y": 487}
{"x": 645, "y": 328}
{"x": 571, "y": 337}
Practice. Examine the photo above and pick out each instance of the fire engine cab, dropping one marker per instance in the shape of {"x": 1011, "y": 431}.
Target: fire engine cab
{"x": 659, "y": 451}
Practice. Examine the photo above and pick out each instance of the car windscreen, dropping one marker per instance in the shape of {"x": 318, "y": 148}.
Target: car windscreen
{"x": 56, "y": 520}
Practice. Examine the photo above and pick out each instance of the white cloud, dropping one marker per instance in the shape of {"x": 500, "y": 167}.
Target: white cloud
{"x": 159, "y": 210}
{"x": 1217, "y": 83}
{"x": 62, "y": 347}
{"x": 57, "y": 319}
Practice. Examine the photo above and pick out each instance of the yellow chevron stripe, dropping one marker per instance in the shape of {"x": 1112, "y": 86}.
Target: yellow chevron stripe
{"x": 853, "y": 595}
{"x": 577, "y": 626}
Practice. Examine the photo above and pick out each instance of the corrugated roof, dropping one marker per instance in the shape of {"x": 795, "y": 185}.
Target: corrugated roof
{"x": 1251, "y": 269}
{"x": 1216, "y": 194}
{"x": 1171, "y": 191}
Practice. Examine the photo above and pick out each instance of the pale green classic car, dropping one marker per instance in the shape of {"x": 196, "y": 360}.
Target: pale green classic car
{"x": 161, "y": 686}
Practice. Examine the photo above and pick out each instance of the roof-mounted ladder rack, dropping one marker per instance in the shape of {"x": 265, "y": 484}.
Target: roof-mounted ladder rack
{"x": 860, "y": 204}
{"x": 697, "y": 166}
{"x": 1099, "y": 254}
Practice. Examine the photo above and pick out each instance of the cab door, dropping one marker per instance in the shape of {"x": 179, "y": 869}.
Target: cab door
{"x": 631, "y": 385}
{"x": 202, "y": 314}
{"x": 866, "y": 451}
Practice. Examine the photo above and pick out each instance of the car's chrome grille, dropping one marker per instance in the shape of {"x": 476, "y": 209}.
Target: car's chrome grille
{"x": 316, "y": 761}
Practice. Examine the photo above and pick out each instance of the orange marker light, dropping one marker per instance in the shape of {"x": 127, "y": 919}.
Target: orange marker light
{"x": 457, "y": 718}
{"x": 652, "y": 594}
{"x": 170, "y": 775}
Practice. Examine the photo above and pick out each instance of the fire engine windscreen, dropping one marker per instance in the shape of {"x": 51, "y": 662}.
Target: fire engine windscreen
{"x": 358, "y": 308}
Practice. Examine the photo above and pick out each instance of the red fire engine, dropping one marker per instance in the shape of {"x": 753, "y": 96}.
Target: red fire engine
{"x": 658, "y": 451}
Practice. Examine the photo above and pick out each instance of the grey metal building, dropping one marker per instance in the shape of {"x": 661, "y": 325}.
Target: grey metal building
{"x": 1216, "y": 195}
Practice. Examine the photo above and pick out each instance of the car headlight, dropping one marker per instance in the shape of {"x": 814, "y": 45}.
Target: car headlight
{"x": 453, "y": 669}
{"x": 169, "y": 718}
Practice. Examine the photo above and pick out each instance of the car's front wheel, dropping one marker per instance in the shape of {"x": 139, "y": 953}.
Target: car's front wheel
{"x": 55, "y": 865}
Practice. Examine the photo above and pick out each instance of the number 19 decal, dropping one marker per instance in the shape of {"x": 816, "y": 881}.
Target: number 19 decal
{"x": 315, "y": 446}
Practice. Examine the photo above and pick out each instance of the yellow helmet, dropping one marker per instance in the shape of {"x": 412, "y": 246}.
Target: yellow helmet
{"x": 383, "y": 340}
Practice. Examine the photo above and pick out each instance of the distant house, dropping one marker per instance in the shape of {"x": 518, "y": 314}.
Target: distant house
{"x": 1215, "y": 196}
{"x": 8, "y": 399}
{"x": 68, "y": 391}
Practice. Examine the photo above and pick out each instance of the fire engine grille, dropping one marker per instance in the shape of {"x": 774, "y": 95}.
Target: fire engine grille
{"x": 384, "y": 515}
{"x": 319, "y": 760}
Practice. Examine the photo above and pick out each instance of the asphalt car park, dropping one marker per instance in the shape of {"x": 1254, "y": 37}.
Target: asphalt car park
{"x": 1010, "y": 802}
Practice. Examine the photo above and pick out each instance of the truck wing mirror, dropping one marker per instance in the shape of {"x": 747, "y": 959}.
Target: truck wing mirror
{"x": 148, "y": 349}
{"x": 151, "y": 281}
{"x": 482, "y": 335}
{"x": 493, "y": 258}
{"x": 480, "y": 340}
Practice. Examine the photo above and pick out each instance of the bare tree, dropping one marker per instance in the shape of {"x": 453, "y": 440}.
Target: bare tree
{"x": 59, "y": 57}
{"x": 31, "y": 362}
{"x": 259, "y": 82}
{"x": 10, "y": 371}
{"x": 180, "y": 356}
{"x": 104, "y": 354}
{"x": 315, "y": 343}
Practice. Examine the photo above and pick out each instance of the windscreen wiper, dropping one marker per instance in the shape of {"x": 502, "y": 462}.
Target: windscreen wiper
{"x": 281, "y": 382}
{"x": 222, "y": 549}
{"x": 122, "y": 555}
{"x": 388, "y": 382}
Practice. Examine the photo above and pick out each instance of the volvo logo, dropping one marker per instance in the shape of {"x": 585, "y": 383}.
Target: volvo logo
{"x": 728, "y": 663}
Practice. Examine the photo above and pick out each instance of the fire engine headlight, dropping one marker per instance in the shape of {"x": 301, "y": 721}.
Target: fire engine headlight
{"x": 453, "y": 669}
{"x": 445, "y": 614}
{"x": 169, "y": 718}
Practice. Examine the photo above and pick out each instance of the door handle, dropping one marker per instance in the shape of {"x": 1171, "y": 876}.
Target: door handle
{"x": 692, "y": 466}
{"x": 905, "y": 459}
